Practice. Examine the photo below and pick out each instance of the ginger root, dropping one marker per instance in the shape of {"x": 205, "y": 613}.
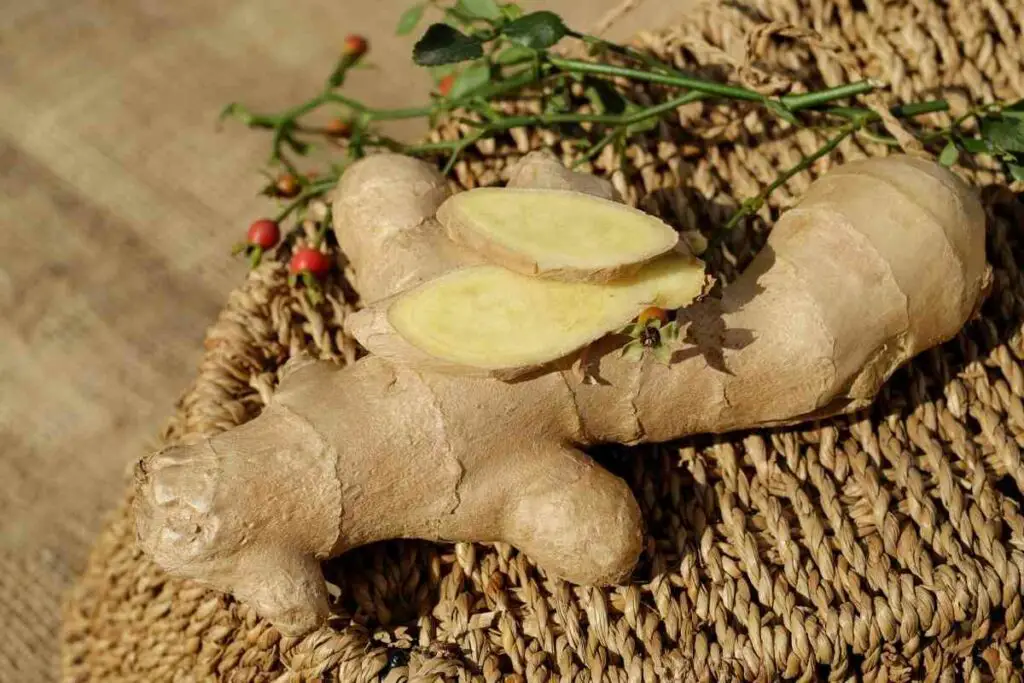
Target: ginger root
{"x": 488, "y": 320}
{"x": 881, "y": 260}
{"x": 564, "y": 235}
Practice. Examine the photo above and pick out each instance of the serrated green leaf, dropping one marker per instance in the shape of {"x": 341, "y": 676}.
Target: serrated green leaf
{"x": 442, "y": 44}
{"x": 515, "y": 54}
{"x": 537, "y": 30}
{"x": 511, "y": 11}
{"x": 1004, "y": 134}
{"x": 1017, "y": 171}
{"x": 604, "y": 98}
{"x": 975, "y": 145}
{"x": 670, "y": 333}
{"x": 950, "y": 154}
{"x": 479, "y": 9}
{"x": 410, "y": 18}
{"x": 470, "y": 79}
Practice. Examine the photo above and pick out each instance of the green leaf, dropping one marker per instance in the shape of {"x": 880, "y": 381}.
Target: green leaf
{"x": 670, "y": 333}
{"x": 1017, "y": 171}
{"x": 777, "y": 108}
{"x": 950, "y": 154}
{"x": 442, "y": 44}
{"x": 557, "y": 103}
{"x": 515, "y": 54}
{"x": 511, "y": 11}
{"x": 643, "y": 126}
{"x": 1015, "y": 110}
{"x": 410, "y": 18}
{"x": 633, "y": 351}
{"x": 439, "y": 72}
{"x": 537, "y": 30}
{"x": 604, "y": 98}
{"x": 1004, "y": 134}
{"x": 479, "y": 9}
{"x": 976, "y": 145}
{"x": 457, "y": 18}
{"x": 235, "y": 110}
{"x": 470, "y": 79}
{"x": 662, "y": 354}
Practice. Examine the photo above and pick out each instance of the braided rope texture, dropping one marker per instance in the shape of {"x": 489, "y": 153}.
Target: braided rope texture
{"x": 887, "y": 546}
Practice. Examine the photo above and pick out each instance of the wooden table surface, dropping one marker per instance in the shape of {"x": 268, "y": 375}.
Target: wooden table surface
{"x": 119, "y": 202}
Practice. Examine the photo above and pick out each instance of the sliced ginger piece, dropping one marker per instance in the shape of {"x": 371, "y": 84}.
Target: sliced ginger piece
{"x": 556, "y": 234}
{"x": 490, "y": 320}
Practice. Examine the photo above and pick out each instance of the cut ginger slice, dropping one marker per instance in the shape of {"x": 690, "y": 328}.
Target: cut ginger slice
{"x": 557, "y": 234}
{"x": 493, "y": 319}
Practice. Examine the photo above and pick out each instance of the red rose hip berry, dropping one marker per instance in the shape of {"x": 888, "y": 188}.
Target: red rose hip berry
{"x": 444, "y": 86}
{"x": 264, "y": 233}
{"x": 308, "y": 260}
{"x": 355, "y": 46}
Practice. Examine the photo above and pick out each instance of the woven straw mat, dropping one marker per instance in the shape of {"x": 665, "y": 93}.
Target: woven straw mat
{"x": 887, "y": 546}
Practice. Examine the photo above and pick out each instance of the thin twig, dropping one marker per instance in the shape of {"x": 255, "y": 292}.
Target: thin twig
{"x": 753, "y": 205}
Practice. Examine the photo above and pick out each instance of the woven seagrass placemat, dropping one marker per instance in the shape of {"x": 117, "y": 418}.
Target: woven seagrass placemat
{"x": 884, "y": 546}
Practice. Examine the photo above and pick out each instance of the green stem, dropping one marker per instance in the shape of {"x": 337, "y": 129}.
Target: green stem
{"x": 623, "y": 51}
{"x": 753, "y": 205}
{"x": 953, "y": 127}
{"x": 491, "y": 128}
{"x": 379, "y": 114}
{"x": 815, "y": 99}
{"x": 789, "y": 102}
{"x": 905, "y": 111}
{"x": 314, "y": 189}
{"x": 679, "y": 80}
{"x": 608, "y": 139}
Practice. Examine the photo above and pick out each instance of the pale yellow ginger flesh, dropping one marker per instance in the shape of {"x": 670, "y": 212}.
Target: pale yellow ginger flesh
{"x": 558, "y": 234}
{"x": 492, "y": 318}
{"x": 880, "y": 260}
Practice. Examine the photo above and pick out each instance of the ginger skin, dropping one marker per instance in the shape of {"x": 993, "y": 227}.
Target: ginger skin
{"x": 880, "y": 261}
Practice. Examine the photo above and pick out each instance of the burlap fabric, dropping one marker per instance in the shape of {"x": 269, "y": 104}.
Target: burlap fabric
{"x": 885, "y": 546}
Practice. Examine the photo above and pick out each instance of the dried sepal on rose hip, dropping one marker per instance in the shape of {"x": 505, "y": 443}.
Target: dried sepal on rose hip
{"x": 287, "y": 186}
{"x": 284, "y": 186}
{"x": 652, "y": 332}
{"x": 262, "y": 235}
